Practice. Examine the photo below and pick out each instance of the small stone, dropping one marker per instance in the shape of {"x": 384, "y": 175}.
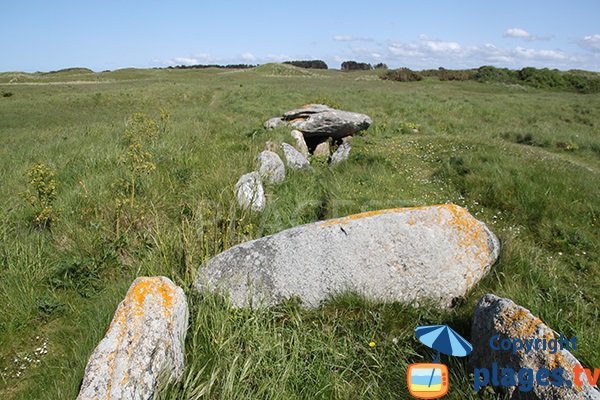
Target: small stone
{"x": 341, "y": 153}
{"x": 294, "y": 158}
{"x": 300, "y": 142}
{"x": 322, "y": 149}
{"x": 250, "y": 192}
{"x": 270, "y": 167}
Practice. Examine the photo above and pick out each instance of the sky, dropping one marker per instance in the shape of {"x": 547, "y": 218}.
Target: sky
{"x": 109, "y": 34}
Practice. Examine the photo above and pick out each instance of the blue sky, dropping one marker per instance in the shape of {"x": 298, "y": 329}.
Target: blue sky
{"x": 49, "y": 35}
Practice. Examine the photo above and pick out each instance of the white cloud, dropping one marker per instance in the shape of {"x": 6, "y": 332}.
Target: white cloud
{"x": 343, "y": 38}
{"x": 248, "y": 57}
{"x": 428, "y": 53}
{"x": 520, "y": 33}
{"x": 350, "y": 38}
{"x": 591, "y": 43}
{"x": 517, "y": 33}
{"x": 186, "y": 60}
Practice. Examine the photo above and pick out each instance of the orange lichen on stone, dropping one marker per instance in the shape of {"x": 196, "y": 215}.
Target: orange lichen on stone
{"x": 353, "y": 217}
{"x": 520, "y": 323}
{"x": 472, "y": 231}
{"x": 147, "y": 286}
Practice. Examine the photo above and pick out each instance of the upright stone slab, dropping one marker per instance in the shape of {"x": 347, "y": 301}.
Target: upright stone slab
{"x": 432, "y": 253}
{"x": 496, "y": 316}
{"x": 270, "y": 167}
{"x": 300, "y": 142}
{"x": 250, "y": 193}
{"x": 295, "y": 160}
{"x": 144, "y": 344}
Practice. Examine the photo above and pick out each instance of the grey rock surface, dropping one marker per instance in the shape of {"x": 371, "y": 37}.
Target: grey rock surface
{"x": 270, "y": 167}
{"x": 334, "y": 123}
{"x": 250, "y": 192}
{"x": 500, "y": 316}
{"x": 341, "y": 153}
{"x": 434, "y": 253}
{"x": 144, "y": 345}
{"x": 305, "y": 111}
{"x": 294, "y": 158}
{"x": 273, "y": 123}
{"x": 322, "y": 149}
{"x": 300, "y": 142}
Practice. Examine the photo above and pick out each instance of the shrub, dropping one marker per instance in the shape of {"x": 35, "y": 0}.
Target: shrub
{"x": 488, "y": 73}
{"x": 309, "y": 64}
{"x": 380, "y": 66}
{"x": 356, "y": 66}
{"x": 401, "y": 75}
{"x": 42, "y": 195}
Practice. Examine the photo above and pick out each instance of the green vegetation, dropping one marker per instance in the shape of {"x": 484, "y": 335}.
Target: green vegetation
{"x": 576, "y": 81}
{"x": 524, "y": 160}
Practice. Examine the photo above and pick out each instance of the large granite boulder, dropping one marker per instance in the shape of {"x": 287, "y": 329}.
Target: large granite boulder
{"x": 250, "y": 193}
{"x": 318, "y": 120}
{"x": 305, "y": 111}
{"x": 270, "y": 167}
{"x": 294, "y": 159}
{"x": 411, "y": 255}
{"x": 334, "y": 123}
{"x": 144, "y": 345}
{"x": 501, "y": 321}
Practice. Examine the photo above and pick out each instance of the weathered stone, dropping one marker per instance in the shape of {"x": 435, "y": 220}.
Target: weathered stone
{"x": 269, "y": 145}
{"x": 341, "y": 153}
{"x": 294, "y": 158}
{"x": 250, "y": 192}
{"x": 300, "y": 142}
{"x": 499, "y": 316}
{"x": 305, "y": 111}
{"x": 270, "y": 167}
{"x": 333, "y": 123}
{"x": 144, "y": 345}
{"x": 411, "y": 255}
{"x": 322, "y": 149}
{"x": 274, "y": 123}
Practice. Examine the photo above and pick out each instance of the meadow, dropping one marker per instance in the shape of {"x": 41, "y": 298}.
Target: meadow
{"x": 526, "y": 161}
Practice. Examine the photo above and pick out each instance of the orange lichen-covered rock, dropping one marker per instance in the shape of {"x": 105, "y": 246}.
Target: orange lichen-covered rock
{"x": 434, "y": 253}
{"x": 510, "y": 337}
{"x": 144, "y": 343}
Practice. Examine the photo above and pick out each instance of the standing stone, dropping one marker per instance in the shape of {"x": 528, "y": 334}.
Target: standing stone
{"x": 294, "y": 158}
{"x": 300, "y": 142}
{"x": 250, "y": 192}
{"x": 342, "y": 152}
{"x": 274, "y": 123}
{"x": 499, "y": 316}
{"x": 322, "y": 149}
{"x": 411, "y": 255}
{"x": 270, "y": 167}
{"x": 144, "y": 345}
{"x": 335, "y": 123}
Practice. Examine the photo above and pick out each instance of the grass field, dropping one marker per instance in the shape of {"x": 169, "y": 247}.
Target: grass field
{"x": 525, "y": 161}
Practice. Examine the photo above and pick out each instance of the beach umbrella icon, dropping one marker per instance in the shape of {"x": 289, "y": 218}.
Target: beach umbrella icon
{"x": 444, "y": 340}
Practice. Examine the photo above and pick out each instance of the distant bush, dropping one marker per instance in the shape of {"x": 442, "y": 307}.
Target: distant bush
{"x": 488, "y": 73}
{"x": 401, "y": 75}
{"x": 6, "y": 94}
{"x": 310, "y": 64}
{"x": 380, "y": 66}
{"x": 449, "y": 74}
{"x": 356, "y": 66}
